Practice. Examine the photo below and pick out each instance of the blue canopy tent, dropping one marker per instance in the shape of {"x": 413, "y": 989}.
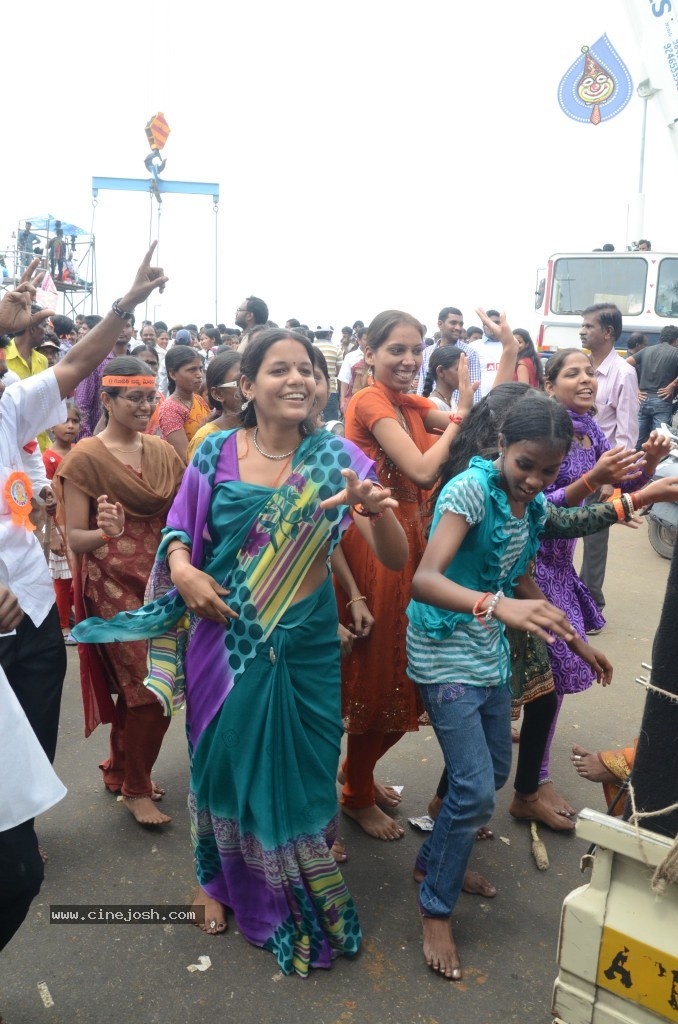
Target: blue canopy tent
{"x": 47, "y": 224}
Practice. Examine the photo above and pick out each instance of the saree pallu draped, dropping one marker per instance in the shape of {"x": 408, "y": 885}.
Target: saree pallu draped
{"x": 262, "y": 695}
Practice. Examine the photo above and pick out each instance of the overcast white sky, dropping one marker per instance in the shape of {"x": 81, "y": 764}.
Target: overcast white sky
{"x": 371, "y": 154}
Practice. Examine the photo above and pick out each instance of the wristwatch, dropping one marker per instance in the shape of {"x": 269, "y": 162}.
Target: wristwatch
{"x": 122, "y": 313}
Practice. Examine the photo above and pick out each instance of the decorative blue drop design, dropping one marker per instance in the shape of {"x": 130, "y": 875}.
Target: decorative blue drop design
{"x": 597, "y": 86}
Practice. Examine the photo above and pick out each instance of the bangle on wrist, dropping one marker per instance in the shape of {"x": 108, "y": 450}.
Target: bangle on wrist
{"x": 354, "y": 600}
{"x": 477, "y": 610}
{"x": 637, "y": 500}
{"x": 454, "y": 418}
{"x": 627, "y": 502}
{"x": 620, "y": 508}
{"x": 587, "y": 483}
{"x": 489, "y": 614}
{"x": 113, "y": 536}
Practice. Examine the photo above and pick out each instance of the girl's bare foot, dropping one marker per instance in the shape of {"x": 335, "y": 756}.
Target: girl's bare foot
{"x": 386, "y": 796}
{"x": 158, "y": 791}
{"x": 559, "y": 804}
{"x": 338, "y": 851}
{"x": 589, "y": 766}
{"x": 474, "y": 883}
{"x": 440, "y": 952}
{"x": 515, "y": 734}
{"x": 144, "y": 810}
{"x": 477, "y": 885}
{"x": 215, "y": 922}
{"x": 533, "y": 808}
{"x": 375, "y": 822}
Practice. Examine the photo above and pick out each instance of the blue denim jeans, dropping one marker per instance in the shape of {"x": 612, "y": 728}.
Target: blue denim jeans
{"x": 473, "y": 726}
{"x": 651, "y": 414}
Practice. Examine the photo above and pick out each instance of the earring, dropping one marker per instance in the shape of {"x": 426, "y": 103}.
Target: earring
{"x": 245, "y": 405}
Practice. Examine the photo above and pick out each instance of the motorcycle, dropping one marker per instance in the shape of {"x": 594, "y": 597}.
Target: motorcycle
{"x": 662, "y": 525}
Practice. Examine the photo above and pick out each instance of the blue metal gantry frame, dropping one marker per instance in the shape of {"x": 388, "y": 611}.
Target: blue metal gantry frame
{"x": 187, "y": 188}
{"x": 155, "y": 186}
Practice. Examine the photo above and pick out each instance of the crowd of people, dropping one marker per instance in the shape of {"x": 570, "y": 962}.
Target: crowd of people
{"x": 295, "y": 538}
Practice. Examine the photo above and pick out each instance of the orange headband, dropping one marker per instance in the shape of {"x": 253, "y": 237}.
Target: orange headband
{"x": 128, "y": 382}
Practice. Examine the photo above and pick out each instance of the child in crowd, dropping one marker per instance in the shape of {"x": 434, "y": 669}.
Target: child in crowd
{"x": 484, "y": 533}
{"x": 63, "y": 438}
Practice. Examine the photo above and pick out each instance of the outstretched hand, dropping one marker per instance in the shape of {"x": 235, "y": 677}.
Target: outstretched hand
{"x": 616, "y": 466}
{"x": 466, "y": 388}
{"x": 598, "y": 663}
{"x": 15, "y": 306}
{"x": 656, "y": 448}
{"x": 534, "y": 616}
{"x": 663, "y": 489}
{"x": 500, "y": 332}
{"x": 147, "y": 279}
{"x": 374, "y": 499}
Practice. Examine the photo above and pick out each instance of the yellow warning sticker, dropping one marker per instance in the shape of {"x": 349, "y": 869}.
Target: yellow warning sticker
{"x": 644, "y": 975}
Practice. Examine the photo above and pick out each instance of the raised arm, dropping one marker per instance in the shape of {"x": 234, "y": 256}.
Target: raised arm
{"x": 509, "y": 355}
{"x": 84, "y": 357}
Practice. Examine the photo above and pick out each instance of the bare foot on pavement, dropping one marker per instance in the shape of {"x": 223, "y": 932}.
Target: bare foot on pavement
{"x": 215, "y": 922}
{"x": 375, "y": 822}
{"x": 589, "y": 766}
{"x": 144, "y": 810}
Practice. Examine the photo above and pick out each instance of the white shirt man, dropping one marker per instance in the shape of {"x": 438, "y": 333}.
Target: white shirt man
{"x": 489, "y": 353}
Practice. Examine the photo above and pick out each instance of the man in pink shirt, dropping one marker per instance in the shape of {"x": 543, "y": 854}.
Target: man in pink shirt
{"x": 617, "y": 416}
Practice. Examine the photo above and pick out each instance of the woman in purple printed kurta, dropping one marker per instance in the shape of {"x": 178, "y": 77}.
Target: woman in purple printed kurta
{"x": 589, "y": 464}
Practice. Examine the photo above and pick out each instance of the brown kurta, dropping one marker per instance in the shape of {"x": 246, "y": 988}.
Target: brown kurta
{"x": 113, "y": 577}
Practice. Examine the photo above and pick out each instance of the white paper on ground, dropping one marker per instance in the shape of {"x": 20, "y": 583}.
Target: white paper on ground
{"x": 203, "y": 963}
{"x": 425, "y": 823}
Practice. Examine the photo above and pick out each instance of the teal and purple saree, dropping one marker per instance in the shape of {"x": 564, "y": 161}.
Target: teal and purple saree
{"x": 262, "y": 695}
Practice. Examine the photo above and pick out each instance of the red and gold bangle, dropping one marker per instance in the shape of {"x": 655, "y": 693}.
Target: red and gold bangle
{"x": 456, "y": 419}
{"x": 115, "y": 536}
{"x": 587, "y": 485}
{"x": 637, "y": 500}
{"x": 373, "y": 517}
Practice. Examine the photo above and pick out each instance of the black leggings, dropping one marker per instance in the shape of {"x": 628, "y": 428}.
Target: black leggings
{"x": 538, "y": 715}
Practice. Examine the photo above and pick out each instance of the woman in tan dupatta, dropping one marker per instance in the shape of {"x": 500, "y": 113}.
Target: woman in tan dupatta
{"x": 117, "y": 488}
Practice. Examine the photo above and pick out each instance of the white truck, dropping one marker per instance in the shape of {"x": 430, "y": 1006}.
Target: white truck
{"x": 644, "y": 285}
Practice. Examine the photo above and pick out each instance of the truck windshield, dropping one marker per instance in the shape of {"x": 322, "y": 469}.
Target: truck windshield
{"x": 580, "y": 282}
{"x": 667, "y": 289}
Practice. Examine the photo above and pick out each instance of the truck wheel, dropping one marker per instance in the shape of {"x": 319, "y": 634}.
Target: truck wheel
{"x": 662, "y": 538}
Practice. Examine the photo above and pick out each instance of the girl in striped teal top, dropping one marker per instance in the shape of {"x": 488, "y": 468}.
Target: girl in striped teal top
{"x": 485, "y": 531}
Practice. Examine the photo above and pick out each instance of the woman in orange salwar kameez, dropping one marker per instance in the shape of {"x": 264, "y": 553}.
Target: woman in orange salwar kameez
{"x": 409, "y": 439}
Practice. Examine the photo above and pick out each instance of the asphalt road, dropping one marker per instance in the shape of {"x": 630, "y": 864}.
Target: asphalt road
{"x": 138, "y": 972}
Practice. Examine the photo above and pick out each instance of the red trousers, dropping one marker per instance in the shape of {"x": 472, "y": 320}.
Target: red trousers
{"x": 362, "y": 753}
{"x": 63, "y": 590}
{"x": 135, "y": 745}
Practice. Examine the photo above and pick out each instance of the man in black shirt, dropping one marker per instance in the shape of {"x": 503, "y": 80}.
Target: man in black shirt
{"x": 657, "y": 367}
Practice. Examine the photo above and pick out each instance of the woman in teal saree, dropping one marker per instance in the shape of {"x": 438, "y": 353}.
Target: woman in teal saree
{"x": 256, "y": 517}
